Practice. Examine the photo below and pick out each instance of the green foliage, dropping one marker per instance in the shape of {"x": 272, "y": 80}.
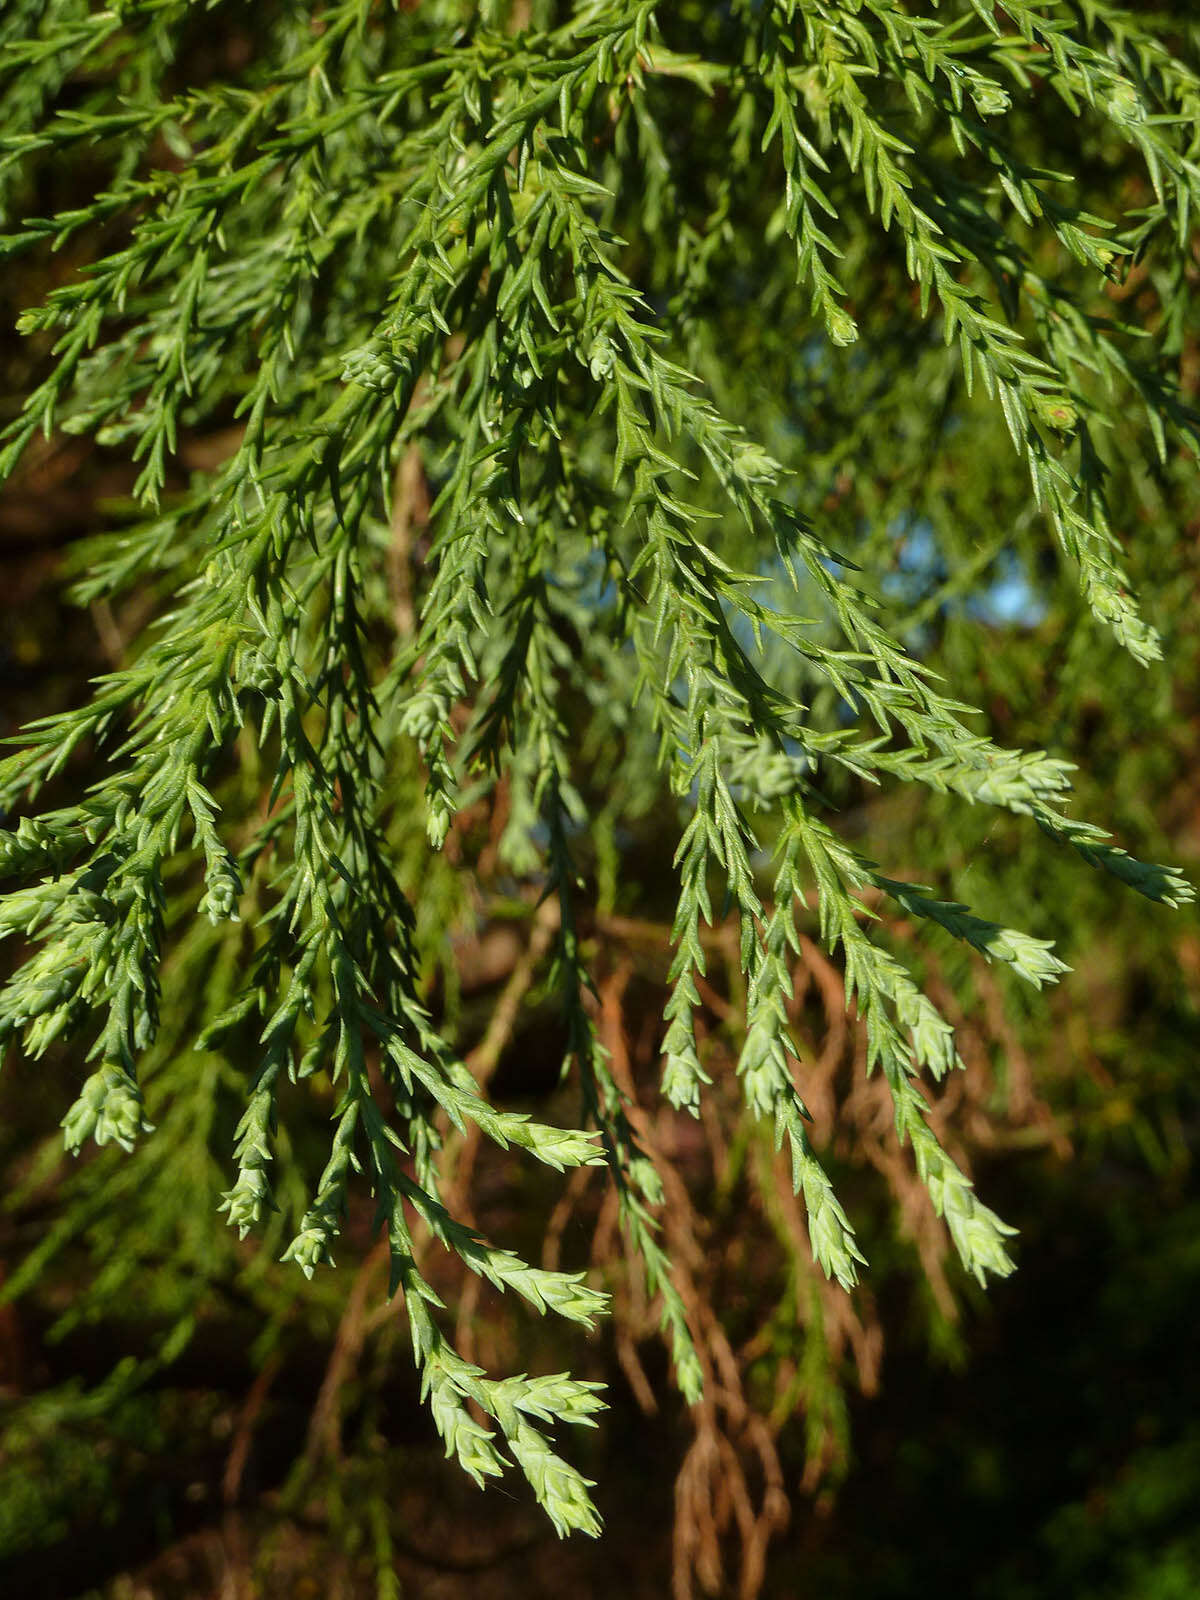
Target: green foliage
{"x": 693, "y": 315}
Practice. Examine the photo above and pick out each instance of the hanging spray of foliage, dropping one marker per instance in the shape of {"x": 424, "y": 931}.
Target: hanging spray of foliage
{"x": 581, "y": 367}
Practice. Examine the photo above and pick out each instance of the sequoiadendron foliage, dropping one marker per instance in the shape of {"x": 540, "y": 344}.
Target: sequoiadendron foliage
{"x": 684, "y": 311}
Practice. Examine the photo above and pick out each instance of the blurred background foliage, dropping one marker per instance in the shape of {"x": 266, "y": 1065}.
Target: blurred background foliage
{"x": 181, "y": 1415}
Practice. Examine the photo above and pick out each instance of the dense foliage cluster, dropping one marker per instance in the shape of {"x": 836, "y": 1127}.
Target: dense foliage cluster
{"x": 631, "y": 423}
